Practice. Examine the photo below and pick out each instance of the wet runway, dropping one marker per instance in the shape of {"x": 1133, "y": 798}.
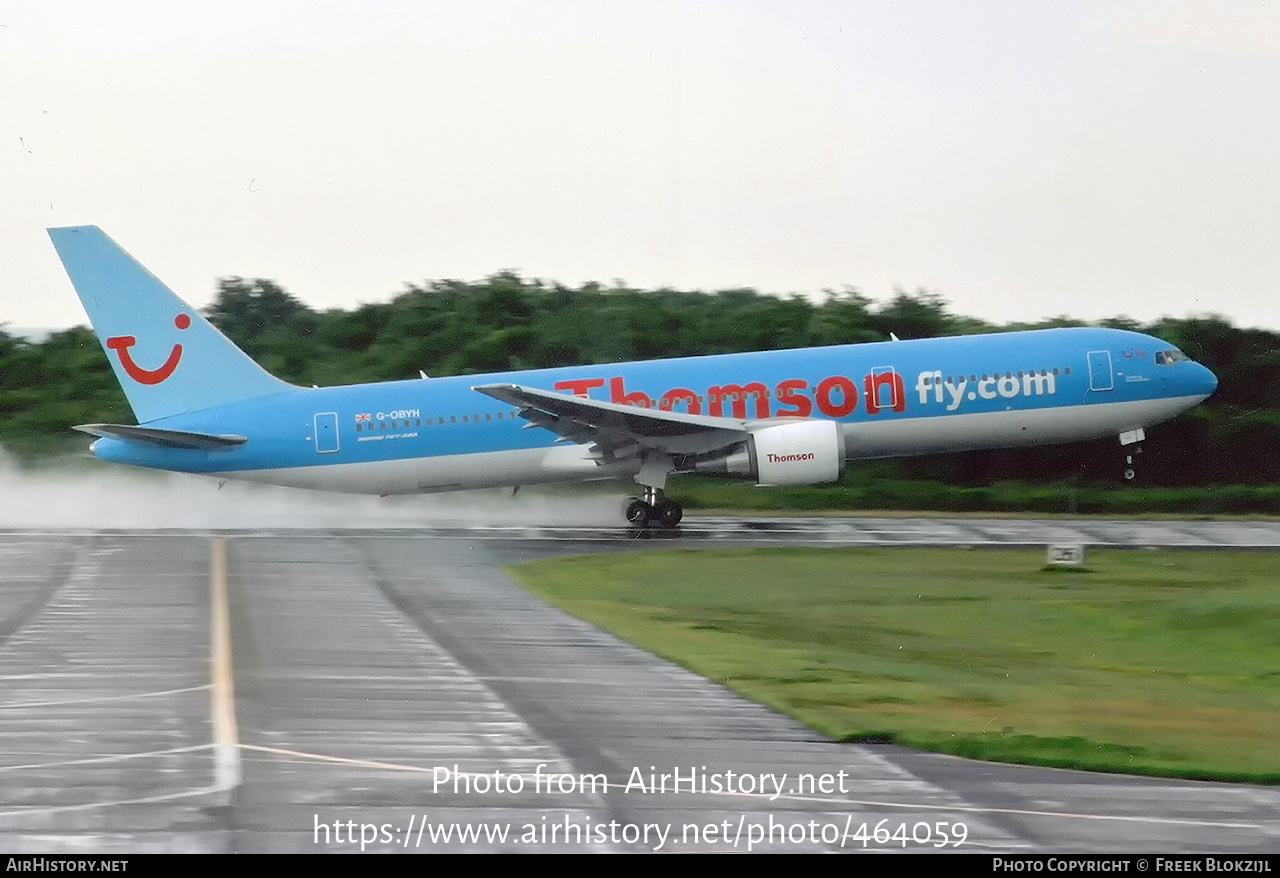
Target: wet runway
{"x": 394, "y": 690}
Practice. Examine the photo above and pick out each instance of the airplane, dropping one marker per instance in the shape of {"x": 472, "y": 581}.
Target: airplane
{"x": 785, "y": 417}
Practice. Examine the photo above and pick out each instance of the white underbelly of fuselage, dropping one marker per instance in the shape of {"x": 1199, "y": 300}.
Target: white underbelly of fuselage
{"x": 1008, "y": 429}
{"x": 452, "y": 472}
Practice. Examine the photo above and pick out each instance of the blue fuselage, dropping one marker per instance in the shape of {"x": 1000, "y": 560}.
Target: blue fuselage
{"x": 890, "y": 398}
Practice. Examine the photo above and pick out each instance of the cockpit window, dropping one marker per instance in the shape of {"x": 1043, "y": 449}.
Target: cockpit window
{"x": 1168, "y": 358}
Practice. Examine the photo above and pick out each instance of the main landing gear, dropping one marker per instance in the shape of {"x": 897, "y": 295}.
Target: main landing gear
{"x": 654, "y": 510}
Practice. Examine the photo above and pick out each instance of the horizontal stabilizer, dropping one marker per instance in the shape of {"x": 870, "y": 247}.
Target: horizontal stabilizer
{"x": 164, "y": 438}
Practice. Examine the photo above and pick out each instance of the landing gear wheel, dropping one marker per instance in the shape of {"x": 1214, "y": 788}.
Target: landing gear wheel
{"x": 639, "y": 513}
{"x": 1131, "y": 463}
{"x": 667, "y": 514}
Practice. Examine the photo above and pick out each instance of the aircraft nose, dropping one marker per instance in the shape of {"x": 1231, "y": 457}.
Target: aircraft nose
{"x": 1203, "y": 382}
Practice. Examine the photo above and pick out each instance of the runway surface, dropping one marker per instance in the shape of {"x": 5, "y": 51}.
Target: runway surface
{"x": 392, "y": 687}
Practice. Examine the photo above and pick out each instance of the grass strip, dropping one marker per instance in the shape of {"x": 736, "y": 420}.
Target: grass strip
{"x": 1152, "y": 662}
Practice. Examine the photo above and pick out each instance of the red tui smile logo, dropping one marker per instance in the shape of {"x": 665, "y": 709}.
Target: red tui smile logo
{"x": 121, "y": 344}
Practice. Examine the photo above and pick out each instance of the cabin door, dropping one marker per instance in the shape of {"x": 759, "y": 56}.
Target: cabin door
{"x": 326, "y": 433}
{"x": 1100, "y": 374}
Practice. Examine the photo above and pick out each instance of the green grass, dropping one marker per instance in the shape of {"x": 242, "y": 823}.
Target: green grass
{"x": 1160, "y": 663}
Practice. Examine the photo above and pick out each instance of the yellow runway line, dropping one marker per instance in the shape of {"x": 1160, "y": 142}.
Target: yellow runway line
{"x": 226, "y": 740}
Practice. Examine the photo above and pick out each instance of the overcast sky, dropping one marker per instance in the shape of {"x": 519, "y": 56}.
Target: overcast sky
{"x": 1020, "y": 159}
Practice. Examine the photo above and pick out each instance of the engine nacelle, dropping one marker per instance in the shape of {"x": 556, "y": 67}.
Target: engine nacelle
{"x": 800, "y": 453}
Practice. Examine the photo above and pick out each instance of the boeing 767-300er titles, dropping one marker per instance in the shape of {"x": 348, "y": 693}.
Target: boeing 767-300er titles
{"x": 789, "y": 417}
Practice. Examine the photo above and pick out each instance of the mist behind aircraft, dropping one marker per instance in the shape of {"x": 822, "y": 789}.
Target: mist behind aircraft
{"x": 74, "y": 493}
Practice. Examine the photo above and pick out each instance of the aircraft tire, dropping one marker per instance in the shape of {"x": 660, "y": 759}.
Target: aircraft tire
{"x": 667, "y": 514}
{"x": 639, "y": 513}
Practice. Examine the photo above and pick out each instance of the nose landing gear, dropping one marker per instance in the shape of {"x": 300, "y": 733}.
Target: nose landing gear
{"x": 1129, "y": 462}
{"x": 1132, "y": 442}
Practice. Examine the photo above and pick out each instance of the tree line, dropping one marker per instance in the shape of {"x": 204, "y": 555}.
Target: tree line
{"x": 506, "y": 322}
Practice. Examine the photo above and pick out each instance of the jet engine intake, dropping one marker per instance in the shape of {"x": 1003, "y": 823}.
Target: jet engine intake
{"x": 799, "y": 453}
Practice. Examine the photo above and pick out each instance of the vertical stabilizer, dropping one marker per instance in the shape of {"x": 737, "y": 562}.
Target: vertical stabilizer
{"x": 168, "y": 359}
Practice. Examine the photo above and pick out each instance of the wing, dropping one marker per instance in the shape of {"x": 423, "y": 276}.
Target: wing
{"x": 619, "y": 431}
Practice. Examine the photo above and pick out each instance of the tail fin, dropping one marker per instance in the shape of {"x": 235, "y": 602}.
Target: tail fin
{"x": 168, "y": 358}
